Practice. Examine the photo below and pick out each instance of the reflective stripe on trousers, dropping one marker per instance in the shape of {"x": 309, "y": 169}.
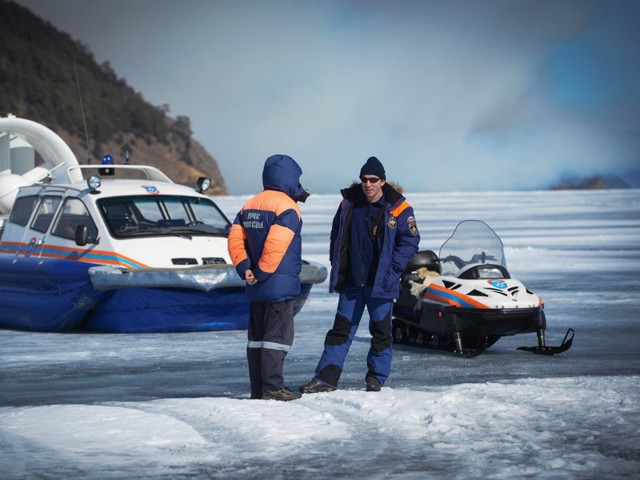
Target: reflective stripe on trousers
{"x": 269, "y": 345}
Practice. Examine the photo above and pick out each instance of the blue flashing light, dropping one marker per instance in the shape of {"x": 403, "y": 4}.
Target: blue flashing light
{"x": 107, "y": 160}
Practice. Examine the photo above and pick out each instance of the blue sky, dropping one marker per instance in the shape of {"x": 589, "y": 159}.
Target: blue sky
{"x": 451, "y": 95}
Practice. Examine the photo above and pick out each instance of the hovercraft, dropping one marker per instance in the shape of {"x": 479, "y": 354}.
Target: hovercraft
{"x": 464, "y": 299}
{"x": 112, "y": 247}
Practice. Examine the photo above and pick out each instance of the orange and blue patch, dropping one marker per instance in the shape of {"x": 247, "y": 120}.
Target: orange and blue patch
{"x": 151, "y": 189}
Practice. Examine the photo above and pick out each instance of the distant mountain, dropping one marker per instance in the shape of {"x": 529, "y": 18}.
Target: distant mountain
{"x": 48, "y": 77}
{"x": 596, "y": 182}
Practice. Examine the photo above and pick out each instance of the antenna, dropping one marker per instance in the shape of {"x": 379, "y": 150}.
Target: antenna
{"x": 84, "y": 121}
{"x": 126, "y": 152}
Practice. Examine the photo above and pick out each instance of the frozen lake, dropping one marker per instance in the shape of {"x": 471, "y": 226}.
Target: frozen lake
{"x": 176, "y": 405}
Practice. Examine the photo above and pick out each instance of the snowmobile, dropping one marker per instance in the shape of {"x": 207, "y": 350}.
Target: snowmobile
{"x": 464, "y": 300}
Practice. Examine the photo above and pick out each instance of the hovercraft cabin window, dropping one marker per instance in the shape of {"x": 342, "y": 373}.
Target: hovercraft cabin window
{"x": 22, "y": 210}
{"x": 74, "y": 213}
{"x": 44, "y": 215}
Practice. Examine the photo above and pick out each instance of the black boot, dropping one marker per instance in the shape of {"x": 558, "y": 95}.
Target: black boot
{"x": 316, "y": 386}
{"x": 284, "y": 395}
{"x": 373, "y": 385}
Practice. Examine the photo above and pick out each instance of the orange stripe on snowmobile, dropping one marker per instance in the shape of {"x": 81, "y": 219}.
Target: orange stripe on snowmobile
{"x": 450, "y": 297}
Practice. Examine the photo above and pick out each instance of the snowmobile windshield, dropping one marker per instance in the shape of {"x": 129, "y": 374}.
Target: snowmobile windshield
{"x": 473, "y": 242}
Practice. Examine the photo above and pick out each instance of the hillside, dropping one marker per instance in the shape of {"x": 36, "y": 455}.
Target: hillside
{"x": 48, "y": 77}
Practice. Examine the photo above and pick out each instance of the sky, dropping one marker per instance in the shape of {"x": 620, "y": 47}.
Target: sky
{"x": 451, "y": 95}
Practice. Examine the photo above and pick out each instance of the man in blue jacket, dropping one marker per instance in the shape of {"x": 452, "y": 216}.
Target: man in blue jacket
{"x": 265, "y": 247}
{"x": 373, "y": 237}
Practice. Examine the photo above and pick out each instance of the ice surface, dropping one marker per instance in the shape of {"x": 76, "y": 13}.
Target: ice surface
{"x": 173, "y": 406}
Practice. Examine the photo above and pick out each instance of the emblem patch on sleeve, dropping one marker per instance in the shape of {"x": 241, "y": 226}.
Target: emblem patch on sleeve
{"x": 413, "y": 228}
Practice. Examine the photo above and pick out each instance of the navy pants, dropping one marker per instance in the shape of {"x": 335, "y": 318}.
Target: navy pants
{"x": 270, "y": 338}
{"x": 338, "y": 340}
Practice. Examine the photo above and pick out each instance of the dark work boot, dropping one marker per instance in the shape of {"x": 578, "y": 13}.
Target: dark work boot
{"x": 283, "y": 395}
{"x": 316, "y": 386}
{"x": 373, "y": 385}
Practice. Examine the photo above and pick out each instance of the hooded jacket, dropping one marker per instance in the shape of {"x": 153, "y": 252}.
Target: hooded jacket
{"x": 265, "y": 235}
{"x": 398, "y": 241}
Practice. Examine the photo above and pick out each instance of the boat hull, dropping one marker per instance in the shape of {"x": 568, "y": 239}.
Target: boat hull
{"x": 167, "y": 310}
{"x": 45, "y": 295}
{"x": 57, "y": 295}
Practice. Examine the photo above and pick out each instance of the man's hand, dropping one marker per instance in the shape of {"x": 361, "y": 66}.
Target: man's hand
{"x": 249, "y": 277}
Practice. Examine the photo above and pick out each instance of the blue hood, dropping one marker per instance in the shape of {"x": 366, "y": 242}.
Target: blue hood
{"x": 282, "y": 173}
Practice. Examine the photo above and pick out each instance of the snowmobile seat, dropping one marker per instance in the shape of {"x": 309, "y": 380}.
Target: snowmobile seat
{"x": 425, "y": 258}
{"x": 408, "y": 303}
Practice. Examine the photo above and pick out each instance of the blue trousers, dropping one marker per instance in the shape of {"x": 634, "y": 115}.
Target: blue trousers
{"x": 338, "y": 340}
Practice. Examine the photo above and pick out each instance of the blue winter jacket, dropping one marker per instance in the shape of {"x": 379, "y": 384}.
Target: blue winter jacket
{"x": 265, "y": 235}
{"x": 398, "y": 241}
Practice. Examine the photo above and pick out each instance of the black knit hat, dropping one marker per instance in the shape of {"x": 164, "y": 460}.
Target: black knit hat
{"x": 373, "y": 166}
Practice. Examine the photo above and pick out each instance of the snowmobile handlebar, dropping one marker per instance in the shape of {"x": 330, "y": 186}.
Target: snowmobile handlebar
{"x": 477, "y": 258}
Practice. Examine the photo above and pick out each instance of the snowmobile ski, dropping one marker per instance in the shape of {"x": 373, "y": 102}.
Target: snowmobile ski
{"x": 542, "y": 349}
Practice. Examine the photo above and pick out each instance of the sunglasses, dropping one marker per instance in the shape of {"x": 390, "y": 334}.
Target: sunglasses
{"x": 369, "y": 179}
